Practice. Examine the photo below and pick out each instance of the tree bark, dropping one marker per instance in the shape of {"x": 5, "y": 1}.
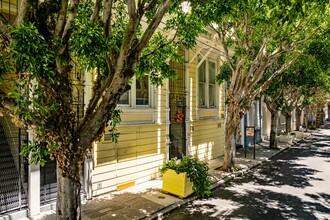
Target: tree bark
{"x": 319, "y": 118}
{"x": 288, "y": 122}
{"x": 232, "y": 122}
{"x": 328, "y": 119}
{"x": 68, "y": 205}
{"x": 298, "y": 118}
{"x": 273, "y": 130}
{"x": 306, "y": 121}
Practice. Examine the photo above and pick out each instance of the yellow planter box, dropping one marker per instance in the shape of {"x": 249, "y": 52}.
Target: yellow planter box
{"x": 177, "y": 184}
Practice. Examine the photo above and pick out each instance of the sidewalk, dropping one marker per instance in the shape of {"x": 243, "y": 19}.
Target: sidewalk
{"x": 147, "y": 201}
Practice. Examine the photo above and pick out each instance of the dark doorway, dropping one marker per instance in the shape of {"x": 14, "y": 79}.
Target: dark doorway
{"x": 177, "y": 99}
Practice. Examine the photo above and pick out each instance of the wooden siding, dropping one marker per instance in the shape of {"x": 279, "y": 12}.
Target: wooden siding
{"x": 136, "y": 117}
{"x": 160, "y": 103}
{"x": 207, "y": 139}
{"x": 207, "y": 133}
{"x": 137, "y": 157}
{"x": 192, "y": 87}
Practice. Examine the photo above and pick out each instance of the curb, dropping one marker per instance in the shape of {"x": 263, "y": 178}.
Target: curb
{"x": 165, "y": 210}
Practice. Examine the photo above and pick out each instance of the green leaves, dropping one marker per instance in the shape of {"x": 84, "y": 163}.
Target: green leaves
{"x": 32, "y": 78}
{"x": 89, "y": 44}
{"x": 31, "y": 53}
{"x": 154, "y": 59}
{"x": 196, "y": 170}
{"x": 4, "y": 64}
{"x": 224, "y": 74}
{"x": 115, "y": 119}
{"x": 35, "y": 152}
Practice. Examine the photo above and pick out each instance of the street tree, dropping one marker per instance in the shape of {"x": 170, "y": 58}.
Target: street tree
{"x": 273, "y": 100}
{"x": 254, "y": 35}
{"x": 314, "y": 111}
{"x": 115, "y": 40}
{"x": 295, "y": 88}
{"x": 301, "y": 81}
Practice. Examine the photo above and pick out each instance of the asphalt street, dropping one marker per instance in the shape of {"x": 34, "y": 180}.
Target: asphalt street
{"x": 293, "y": 185}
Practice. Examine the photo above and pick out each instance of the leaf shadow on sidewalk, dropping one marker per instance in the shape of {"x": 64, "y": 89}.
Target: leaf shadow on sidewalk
{"x": 283, "y": 188}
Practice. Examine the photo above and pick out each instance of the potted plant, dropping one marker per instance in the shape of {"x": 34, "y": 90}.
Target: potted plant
{"x": 184, "y": 176}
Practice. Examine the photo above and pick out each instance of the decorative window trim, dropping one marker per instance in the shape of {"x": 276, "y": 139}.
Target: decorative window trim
{"x": 207, "y": 85}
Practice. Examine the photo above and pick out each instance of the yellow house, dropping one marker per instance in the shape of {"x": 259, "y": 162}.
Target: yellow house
{"x": 183, "y": 117}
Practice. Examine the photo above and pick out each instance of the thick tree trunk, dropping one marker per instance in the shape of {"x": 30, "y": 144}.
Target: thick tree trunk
{"x": 232, "y": 122}
{"x": 273, "y": 130}
{"x": 328, "y": 119}
{"x": 288, "y": 122}
{"x": 298, "y": 118}
{"x": 230, "y": 148}
{"x": 68, "y": 205}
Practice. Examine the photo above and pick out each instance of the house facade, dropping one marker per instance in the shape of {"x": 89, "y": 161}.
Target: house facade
{"x": 183, "y": 117}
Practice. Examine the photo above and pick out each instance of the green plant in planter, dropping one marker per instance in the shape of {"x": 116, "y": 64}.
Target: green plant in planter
{"x": 197, "y": 172}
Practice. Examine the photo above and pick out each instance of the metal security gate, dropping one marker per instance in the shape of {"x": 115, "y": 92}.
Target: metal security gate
{"x": 48, "y": 185}
{"x": 177, "y": 102}
{"x": 13, "y": 168}
{"x": 177, "y": 126}
{"x": 48, "y": 179}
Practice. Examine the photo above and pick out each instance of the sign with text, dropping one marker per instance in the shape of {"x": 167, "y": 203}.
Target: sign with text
{"x": 249, "y": 131}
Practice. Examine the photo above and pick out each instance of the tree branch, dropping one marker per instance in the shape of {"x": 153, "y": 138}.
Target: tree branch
{"x": 5, "y": 36}
{"x": 152, "y": 27}
{"x": 72, "y": 14}
{"x": 26, "y": 10}
{"x": 221, "y": 34}
{"x": 61, "y": 19}
{"x": 107, "y": 13}
{"x": 265, "y": 85}
{"x": 96, "y": 11}
{"x": 94, "y": 123}
{"x": 150, "y": 6}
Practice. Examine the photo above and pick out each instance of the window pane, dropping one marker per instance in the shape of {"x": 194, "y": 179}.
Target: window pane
{"x": 201, "y": 94}
{"x": 142, "y": 91}
{"x": 211, "y": 72}
{"x": 124, "y": 99}
{"x": 201, "y": 72}
{"x": 211, "y": 95}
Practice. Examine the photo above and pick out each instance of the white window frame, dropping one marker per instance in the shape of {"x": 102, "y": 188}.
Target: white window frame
{"x": 132, "y": 96}
{"x": 207, "y": 86}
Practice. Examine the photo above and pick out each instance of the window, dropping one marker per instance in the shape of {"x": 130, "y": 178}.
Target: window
{"x": 139, "y": 95}
{"x": 206, "y": 84}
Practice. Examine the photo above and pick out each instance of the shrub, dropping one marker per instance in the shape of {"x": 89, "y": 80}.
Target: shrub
{"x": 197, "y": 172}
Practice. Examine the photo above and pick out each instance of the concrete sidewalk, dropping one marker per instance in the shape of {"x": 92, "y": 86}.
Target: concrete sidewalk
{"x": 147, "y": 201}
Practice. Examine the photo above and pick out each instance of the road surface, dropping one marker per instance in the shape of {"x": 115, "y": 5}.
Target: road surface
{"x": 293, "y": 185}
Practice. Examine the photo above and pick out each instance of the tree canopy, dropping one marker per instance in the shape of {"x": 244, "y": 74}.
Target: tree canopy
{"x": 255, "y": 35}
{"x": 53, "y": 45}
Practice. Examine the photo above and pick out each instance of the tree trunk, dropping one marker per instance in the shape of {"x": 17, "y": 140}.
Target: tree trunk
{"x": 298, "y": 118}
{"x": 306, "y": 121}
{"x": 232, "y": 122}
{"x": 288, "y": 122}
{"x": 68, "y": 205}
{"x": 273, "y": 130}
{"x": 328, "y": 119}
{"x": 319, "y": 118}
